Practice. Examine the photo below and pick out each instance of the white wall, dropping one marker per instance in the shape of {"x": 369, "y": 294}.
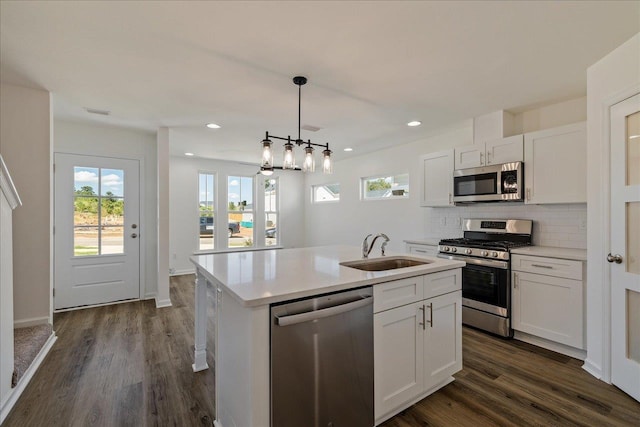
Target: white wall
{"x": 100, "y": 140}
{"x": 25, "y": 144}
{"x": 609, "y": 81}
{"x": 184, "y": 226}
{"x": 349, "y": 220}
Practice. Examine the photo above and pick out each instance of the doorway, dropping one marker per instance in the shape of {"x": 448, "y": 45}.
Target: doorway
{"x": 96, "y": 230}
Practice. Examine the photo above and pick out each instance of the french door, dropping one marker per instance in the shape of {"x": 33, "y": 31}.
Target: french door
{"x": 97, "y": 230}
{"x": 625, "y": 246}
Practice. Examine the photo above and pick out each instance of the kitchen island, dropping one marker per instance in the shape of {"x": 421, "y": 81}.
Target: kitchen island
{"x": 248, "y": 283}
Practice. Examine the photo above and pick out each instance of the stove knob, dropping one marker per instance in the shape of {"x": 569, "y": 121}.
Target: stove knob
{"x": 446, "y": 249}
{"x": 494, "y": 254}
{"x": 484, "y": 253}
{"x": 454, "y": 250}
{"x": 468, "y": 251}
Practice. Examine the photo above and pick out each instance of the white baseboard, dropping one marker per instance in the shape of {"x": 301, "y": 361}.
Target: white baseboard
{"x": 33, "y": 321}
{"x": 592, "y": 368}
{"x": 160, "y": 303}
{"x": 551, "y": 345}
{"x": 217, "y": 423}
{"x": 183, "y": 272}
{"x": 15, "y": 393}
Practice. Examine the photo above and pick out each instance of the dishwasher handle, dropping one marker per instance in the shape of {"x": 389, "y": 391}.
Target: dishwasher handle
{"x": 320, "y": 314}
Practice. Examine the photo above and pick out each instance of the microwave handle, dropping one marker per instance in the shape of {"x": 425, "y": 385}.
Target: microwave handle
{"x": 488, "y": 157}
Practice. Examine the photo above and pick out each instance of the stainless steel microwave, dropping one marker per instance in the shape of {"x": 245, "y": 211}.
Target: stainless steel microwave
{"x": 498, "y": 183}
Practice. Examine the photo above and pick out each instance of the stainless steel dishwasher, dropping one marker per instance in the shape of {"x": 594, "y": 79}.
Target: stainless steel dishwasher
{"x": 322, "y": 361}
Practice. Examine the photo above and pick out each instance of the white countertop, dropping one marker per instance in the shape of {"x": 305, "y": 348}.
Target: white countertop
{"x": 262, "y": 277}
{"x": 551, "y": 252}
{"x": 424, "y": 241}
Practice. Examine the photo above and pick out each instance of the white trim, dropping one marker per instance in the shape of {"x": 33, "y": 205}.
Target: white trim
{"x": 15, "y": 393}
{"x": 163, "y": 303}
{"x": 82, "y": 307}
{"x": 183, "y": 272}
{"x": 32, "y": 321}
{"x": 239, "y": 249}
{"x": 7, "y": 187}
{"x": 592, "y": 368}
{"x": 576, "y": 353}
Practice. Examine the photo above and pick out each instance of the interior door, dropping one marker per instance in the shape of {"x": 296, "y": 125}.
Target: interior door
{"x": 97, "y": 230}
{"x": 625, "y": 246}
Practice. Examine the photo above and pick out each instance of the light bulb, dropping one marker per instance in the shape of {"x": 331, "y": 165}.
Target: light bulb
{"x": 289, "y": 160}
{"x": 309, "y": 165}
{"x": 267, "y": 154}
{"x": 327, "y": 164}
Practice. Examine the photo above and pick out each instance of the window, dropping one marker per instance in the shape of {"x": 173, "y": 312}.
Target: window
{"x": 325, "y": 193}
{"x": 98, "y": 217}
{"x": 206, "y": 206}
{"x": 240, "y": 200}
{"x": 385, "y": 187}
{"x": 271, "y": 211}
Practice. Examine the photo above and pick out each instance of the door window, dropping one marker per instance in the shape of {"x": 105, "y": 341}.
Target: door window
{"x": 98, "y": 217}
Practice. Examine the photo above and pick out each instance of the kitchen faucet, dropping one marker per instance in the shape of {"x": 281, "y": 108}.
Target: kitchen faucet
{"x": 366, "y": 249}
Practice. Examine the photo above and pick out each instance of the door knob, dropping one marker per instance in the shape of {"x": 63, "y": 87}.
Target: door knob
{"x": 134, "y": 225}
{"x": 134, "y": 235}
{"x": 617, "y": 258}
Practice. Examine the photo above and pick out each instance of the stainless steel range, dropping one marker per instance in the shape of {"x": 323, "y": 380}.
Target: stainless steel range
{"x": 486, "y": 279}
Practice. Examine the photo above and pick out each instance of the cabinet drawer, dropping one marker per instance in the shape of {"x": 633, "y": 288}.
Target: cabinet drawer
{"x": 556, "y": 267}
{"x": 424, "y": 250}
{"x": 399, "y": 292}
{"x": 442, "y": 283}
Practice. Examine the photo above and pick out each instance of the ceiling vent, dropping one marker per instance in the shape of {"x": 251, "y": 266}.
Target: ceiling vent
{"x": 100, "y": 112}
{"x": 311, "y": 128}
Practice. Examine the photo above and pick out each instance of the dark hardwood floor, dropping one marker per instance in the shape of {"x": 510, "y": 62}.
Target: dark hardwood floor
{"x": 130, "y": 365}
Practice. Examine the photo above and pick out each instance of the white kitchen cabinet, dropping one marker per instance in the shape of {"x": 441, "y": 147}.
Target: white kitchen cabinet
{"x": 503, "y": 150}
{"x": 548, "y": 299}
{"x": 422, "y": 249}
{"x": 417, "y": 346}
{"x": 443, "y": 338}
{"x": 437, "y": 179}
{"x": 398, "y": 357}
{"x": 555, "y": 165}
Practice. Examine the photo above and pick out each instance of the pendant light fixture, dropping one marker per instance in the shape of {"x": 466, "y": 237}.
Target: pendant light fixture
{"x": 308, "y": 165}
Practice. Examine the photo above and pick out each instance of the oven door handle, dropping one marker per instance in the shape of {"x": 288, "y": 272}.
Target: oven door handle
{"x": 482, "y": 262}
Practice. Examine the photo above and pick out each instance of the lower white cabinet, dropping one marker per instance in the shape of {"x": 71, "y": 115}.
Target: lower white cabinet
{"x": 548, "y": 299}
{"x": 417, "y": 346}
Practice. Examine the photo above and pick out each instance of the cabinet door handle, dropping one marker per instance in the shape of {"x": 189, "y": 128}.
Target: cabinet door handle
{"x": 449, "y": 198}
{"x": 430, "y": 315}
{"x": 515, "y": 280}
{"x": 420, "y": 251}
{"x": 488, "y": 157}
{"x": 528, "y": 194}
{"x": 481, "y": 156}
{"x": 542, "y": 266}
{"x": 423, "y": 317}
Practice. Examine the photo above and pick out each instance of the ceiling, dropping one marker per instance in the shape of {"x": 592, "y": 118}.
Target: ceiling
{"x": 372, "y": 66}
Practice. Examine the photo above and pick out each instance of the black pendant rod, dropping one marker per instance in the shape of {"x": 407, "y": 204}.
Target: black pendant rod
{"x": 299, "y": 80}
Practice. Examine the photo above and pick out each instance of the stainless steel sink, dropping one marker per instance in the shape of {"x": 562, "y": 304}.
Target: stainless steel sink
{"x": 382, "y": 264}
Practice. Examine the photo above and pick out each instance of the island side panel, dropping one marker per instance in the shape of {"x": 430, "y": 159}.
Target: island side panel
{"x": 242, "y": 367}
{"x": 200, "y": 319}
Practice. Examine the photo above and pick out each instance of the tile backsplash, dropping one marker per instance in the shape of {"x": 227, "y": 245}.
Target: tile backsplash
{"x": 553, "y": 225}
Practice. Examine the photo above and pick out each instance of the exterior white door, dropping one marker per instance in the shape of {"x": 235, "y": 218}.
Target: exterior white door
{"x": 625, "y": 246}
{"x": 97, "y": 230}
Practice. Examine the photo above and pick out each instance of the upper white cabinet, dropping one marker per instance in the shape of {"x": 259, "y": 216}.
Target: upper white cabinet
{"x": 555, "y": 165}
{"x": 504, "y": 150}
{"x": 437, "y": 179}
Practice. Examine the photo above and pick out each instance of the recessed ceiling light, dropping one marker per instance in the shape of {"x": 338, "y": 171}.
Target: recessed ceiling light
{"x": 414, "y": 123}
{"x": 189, "y": 154}
{"x": 348, "y": 149}
{"x": 213, "y": 126}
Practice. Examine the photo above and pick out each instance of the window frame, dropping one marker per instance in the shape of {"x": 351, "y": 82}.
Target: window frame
{"x": 254, "y": 244}
{"x": 275, "y": 212}
{"x": 215, "y": 240}
{"x": 365, "y": 179}
{"x": 313, "y": 193}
